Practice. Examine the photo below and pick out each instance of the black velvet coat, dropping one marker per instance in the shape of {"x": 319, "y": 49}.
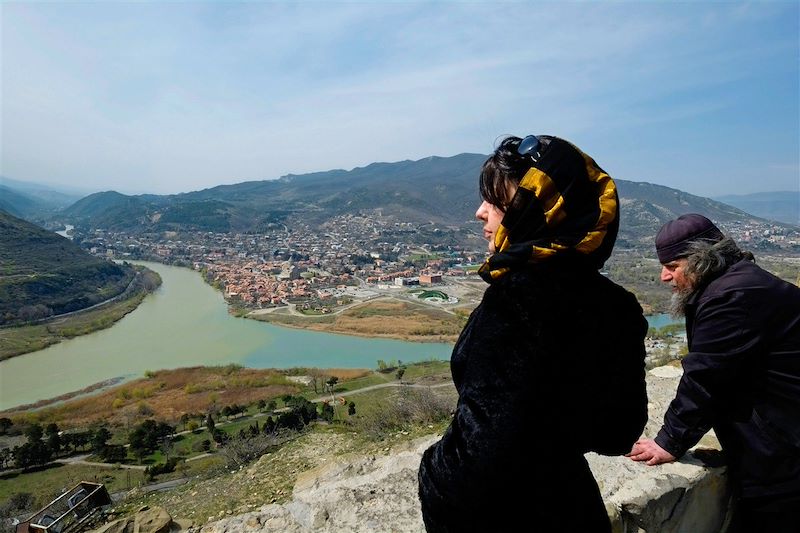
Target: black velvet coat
{"x": 742, "y": 376}
{"x": 533, "y": 368}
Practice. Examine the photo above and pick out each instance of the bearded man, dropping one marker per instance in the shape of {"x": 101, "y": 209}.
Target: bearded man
{"x": 741, "y": 375}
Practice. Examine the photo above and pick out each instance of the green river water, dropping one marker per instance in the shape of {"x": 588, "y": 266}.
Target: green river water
{"x": 186, "y": 323}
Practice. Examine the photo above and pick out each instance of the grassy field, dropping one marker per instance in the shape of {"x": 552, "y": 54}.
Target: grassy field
{"x": 212, "y": 488}
{"x": 23, "y": 339}
{"x": 165, "y": 395}
{"x": 381, "y": 318}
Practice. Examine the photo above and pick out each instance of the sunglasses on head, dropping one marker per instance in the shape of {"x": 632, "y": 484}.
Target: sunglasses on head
{"x": 530, "y": 146}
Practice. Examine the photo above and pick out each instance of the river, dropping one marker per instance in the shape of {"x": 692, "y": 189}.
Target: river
{"x": 186, "y": 323}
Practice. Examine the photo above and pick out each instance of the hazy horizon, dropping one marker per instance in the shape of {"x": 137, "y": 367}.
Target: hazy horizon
{"x": 162, "y": 98}
{"x": 86, "y": 192}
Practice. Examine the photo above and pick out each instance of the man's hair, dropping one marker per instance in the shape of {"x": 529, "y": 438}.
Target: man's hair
{"x": 708, "y": 260}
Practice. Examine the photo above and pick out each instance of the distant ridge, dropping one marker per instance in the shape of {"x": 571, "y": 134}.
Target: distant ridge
{"x": 32, "y": 201}
{"x": 441, "y": 190}
{"x": 781, "y": 206}
{"x": 15, "y": 203}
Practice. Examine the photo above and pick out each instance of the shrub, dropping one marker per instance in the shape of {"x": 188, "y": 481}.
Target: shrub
{"x": 240, "y": 451}
{"x": 201, "y": 446}
{"x": 411, "y": 406}
{"x": 161, "y": 468}
{"x": 17, "y": 503}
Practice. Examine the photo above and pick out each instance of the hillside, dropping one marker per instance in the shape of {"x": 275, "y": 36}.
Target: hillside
{"x": 43, "y": 274}
{"x": 440, "y": 190}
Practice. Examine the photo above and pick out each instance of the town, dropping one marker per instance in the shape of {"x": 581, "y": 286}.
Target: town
{"x": 350, "y": 257}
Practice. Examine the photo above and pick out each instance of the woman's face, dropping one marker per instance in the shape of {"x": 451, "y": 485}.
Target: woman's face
{"x": 491, "y": 216}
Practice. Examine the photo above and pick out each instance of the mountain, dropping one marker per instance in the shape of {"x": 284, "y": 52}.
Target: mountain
{"x": 42, "y": 273}
{"x": 16, "y": 203}
{"x": 442, "y": 190}
{"x": 31, "y": 201}
{"x": 781, "y": 206}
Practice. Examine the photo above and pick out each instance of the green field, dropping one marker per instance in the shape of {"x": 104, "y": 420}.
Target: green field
{"x": 376, "y": 424}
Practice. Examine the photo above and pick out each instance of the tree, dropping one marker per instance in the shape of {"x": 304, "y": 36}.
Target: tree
{"x": 5, "y": 457}
{"x": 114, "y": 453}
{"x": 317, "y": 378}
{"x": 5, "y": 425}
{"x": 261, "y": 404}
{"x": 166, "y": 448}
{"x": 164, "y": 431}
{"x": 34, "y": 433}
{"x": 210, "y": 424}
{"x": 185, "y": 420}
{"x": 146, "y": 437}
{"x": 327, "y": 412}
{"x": 139, "y": 442}
{"x": 32, "y": 454}
{"x": 99, "y": 439}
{"x": 331, "y": 383}
{"x": 351, "y": 408}
{"x": 269, "y": 426}
{"x": 400, "y": 372}
{"x": 219, "y": 436}
{"x": 81, "y": 439}
{"x": 53, "y": 438}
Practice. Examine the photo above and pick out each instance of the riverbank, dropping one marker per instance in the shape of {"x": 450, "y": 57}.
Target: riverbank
{"x": 388, "y": 319}
{"x": 20, "y": 340}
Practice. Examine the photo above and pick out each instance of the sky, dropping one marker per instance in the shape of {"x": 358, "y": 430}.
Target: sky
{"x": 167, "y": 97}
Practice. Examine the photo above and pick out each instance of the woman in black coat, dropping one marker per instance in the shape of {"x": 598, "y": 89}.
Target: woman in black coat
{"x": 550, "y": 365}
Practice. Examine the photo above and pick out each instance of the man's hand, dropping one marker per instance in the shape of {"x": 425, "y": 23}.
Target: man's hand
{"x": 647, "y": 450}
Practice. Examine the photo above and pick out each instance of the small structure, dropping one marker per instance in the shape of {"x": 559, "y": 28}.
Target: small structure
{"x": 429, "y": 279}
{"x": 69, "y": 512}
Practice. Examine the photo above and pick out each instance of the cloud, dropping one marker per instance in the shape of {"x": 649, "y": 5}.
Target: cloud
{"x": 167, "y": 97}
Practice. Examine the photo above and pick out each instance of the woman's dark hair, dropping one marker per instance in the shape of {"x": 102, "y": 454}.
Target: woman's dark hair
{"x": 506, "y": 166}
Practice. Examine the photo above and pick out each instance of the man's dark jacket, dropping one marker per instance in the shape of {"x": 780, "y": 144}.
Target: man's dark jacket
{"x": 538, "y": 368}
{"x": 742, "y": 377}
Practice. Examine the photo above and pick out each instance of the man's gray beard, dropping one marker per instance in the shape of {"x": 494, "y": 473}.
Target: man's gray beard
{"x": 677, "y": 304}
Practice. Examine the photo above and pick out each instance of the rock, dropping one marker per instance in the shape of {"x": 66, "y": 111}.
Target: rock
{"x": 146, "y": 520}
{"x": 155, "y": 520}
{"x": 182, "y": 524}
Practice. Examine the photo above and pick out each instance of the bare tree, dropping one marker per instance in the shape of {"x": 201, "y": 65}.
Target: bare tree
{"x": 240, "y": 451}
